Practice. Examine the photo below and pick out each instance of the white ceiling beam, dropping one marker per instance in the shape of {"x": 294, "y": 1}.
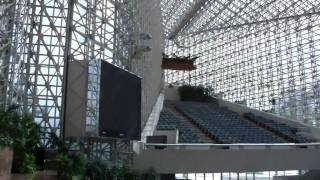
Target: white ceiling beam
{"x": 195, "y": 8}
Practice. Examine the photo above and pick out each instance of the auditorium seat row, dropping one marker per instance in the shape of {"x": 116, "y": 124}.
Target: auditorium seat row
{"x": 226, "y": 126}
{"x": 169, "y": 121}
{"x": 283, "y": 130}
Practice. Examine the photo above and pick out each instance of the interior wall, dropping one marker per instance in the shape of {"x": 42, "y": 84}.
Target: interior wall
{"x": 226, "y": 160}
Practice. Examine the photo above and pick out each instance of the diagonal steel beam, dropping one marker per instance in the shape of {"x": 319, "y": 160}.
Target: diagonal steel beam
{"x": 211, "y": 19}
{"x": 196, "y": 7}
{"x": 6, "y": 2}
{"x": 252, "y": 23}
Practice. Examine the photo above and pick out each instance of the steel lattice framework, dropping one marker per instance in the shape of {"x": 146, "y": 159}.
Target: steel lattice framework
{"x": 39, "y": 39}
{"x": 6, "y": 9}
{"x": 44, "y": 36}
{"x": 260, "y": 53}
{"x": 47, "y": 35}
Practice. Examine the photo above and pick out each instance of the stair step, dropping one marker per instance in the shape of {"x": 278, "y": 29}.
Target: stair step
{"x": 203, "y": 137}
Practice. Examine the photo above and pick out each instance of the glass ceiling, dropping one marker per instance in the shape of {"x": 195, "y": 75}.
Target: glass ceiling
{"x": 262, "y": 53}
{"x": 229, "y": 13}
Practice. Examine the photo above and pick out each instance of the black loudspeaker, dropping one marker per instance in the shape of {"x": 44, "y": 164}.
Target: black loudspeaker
{"x": 120, "y": 103}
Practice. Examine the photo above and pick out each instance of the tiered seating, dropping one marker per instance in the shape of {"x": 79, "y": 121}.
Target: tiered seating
{"x": 226, "y": 126}
{"x": 168, "y": 121}
{"x": 284, "y": 130}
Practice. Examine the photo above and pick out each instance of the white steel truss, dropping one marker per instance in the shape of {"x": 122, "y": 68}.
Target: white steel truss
{"x": 46, "y": 35}
{"x": 259, "y": 53}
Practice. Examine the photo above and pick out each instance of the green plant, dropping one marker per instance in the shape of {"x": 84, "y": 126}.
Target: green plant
{"x": 25, "y": 134}
{"x": 195, "y": 93}
{"x": 123, "y": 173}
{"x": 68, "y": 166}
{"x": 5, "y": 141}
{"x": 96, "y": 169}
{"x": 78, "y": 164}
{"x": 28, "y": 166}
{"x": 27, "y": 138}
{"x": 101, "y": 170}
{"x": 149, "y": 175}
{"x": 63, "y": 166}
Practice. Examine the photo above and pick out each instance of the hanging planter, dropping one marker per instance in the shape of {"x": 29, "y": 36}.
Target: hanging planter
{"x": 178, "y": 63}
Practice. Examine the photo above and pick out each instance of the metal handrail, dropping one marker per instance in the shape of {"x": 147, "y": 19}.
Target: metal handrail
{"x": 230, "y": 146}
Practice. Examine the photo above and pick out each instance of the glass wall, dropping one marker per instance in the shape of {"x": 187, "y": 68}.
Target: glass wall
{"x": 262, "y": 54}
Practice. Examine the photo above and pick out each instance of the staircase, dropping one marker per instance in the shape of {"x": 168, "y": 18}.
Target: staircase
{"x": 203, "y": 137}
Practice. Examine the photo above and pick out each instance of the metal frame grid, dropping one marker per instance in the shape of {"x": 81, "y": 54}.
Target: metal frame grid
{"x": 117, "y": 152}
{"x": 6, "y": 25}
{"x": 43, "y": 59}
{"x": 173, "y": 12}
{"x": 91, "y": 39}
{"x": 12, "y": 31}
{"x": 92, "y": 117}
{"x": 124, "y": 24}
{"x": 48, "y": 34}
{"x": 260, "y": 53}
{"x": 130, "y": 21}
{"x": 15, "y": 82}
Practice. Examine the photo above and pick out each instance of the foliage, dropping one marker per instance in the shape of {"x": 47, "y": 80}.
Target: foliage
{"x": 99, "y": 170}
{"x": 29, "y": 133}
{"x": 149, "y": 175}
{"x": 79, "y": 164}
{"x": 96, "y": 169}
{"x": 25, "y": 134}
{"x": 63, "y": 166}
{"x": 70, "y": 165}
{"x": 195, "y": 93}
{"x": 28, "y": 166}
{"x": 5, "y": 141}
{"x": 22, "y": 129}
{"x": 121, "y": 173}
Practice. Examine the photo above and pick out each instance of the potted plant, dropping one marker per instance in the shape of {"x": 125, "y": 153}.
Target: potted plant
{"x": 71, "y": 166}
{"x": 6, "y": 155}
